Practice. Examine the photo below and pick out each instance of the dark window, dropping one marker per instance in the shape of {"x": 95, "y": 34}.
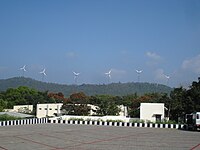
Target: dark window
{"x": 158, "y": 118}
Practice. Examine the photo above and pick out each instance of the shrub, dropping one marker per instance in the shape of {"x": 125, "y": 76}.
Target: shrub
{"x": 76, "y": 119}
{"x": 6, "y": 117}
{"x": 137, "y": 121}
{"x": 110, "y": 120}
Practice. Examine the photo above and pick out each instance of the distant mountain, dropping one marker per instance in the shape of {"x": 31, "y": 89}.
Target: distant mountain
{"x": 117, "y": 89}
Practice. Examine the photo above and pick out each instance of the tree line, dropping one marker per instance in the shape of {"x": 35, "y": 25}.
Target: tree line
{"x": 179, "y": 102}
{"x": 119, "y": 89}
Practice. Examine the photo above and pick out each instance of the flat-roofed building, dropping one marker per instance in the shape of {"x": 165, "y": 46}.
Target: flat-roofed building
{"x": 48, "y": 110}
{"x": 27, "y": 109}
{"x": 152, "y": 111}
{"x": 23, "y": 108}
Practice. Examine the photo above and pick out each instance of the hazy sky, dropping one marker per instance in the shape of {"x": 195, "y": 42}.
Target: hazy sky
{"x": 160, "y": 37}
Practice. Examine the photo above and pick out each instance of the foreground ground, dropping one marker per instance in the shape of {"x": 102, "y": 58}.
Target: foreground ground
{"x": 87, "y": 137}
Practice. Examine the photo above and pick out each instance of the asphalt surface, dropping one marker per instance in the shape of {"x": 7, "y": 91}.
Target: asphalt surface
{"x": 90, "y": 137}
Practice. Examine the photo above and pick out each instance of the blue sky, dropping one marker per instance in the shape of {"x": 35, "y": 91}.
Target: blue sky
{"x": 160, "y": 37}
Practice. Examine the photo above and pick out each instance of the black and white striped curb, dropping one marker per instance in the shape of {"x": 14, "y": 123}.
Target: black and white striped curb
{"x": 122, "y": 124}
{"x": 100, "y": 123}
{"x": 24, "y": 122}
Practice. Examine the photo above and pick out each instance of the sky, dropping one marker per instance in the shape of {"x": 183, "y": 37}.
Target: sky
{"x": 160, "y": 37}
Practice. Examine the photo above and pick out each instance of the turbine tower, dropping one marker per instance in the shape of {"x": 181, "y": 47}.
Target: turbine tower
{"x": 76, "y": 74}
{"x": 109, "y": 75}
{"x": 43, "y": 74}
{"x": 138, "y": 72}
{"x": 167, "y": 77}
{"x": 23, "y": 69}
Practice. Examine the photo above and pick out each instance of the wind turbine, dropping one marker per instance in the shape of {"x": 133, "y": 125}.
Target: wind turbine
{"x": 23, "y": 70}
{"x": 76, "y": 74}
{"x": 167, "y": 77}
{"x": 109, "y": 74}
{"x": 43, "y": 73}
{"x": 139, "y": 72}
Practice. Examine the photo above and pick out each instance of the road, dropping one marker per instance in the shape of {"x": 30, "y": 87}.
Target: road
{"x": 90, "y": 137}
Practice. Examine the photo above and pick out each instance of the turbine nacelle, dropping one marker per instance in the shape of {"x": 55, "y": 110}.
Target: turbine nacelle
{"x": 139, "y": 71}
{"x": 167, "y": 76}
{"x": 76, "y": 73}
{"x": 109, "y": 73}
{"x": 23, "y": 68}
{"x": 43, "y": 72}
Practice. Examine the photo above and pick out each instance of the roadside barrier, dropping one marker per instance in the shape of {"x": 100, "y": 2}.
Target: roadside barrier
{"x": 120, "y": 124}
{"x": 24, "y": 121}
{"x": 98, "y": 123}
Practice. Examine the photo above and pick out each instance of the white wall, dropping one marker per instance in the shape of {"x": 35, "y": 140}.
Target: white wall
{"x": 23, "y": 108}
{"x": 148, "y": 111}
{"x": 44, "y": 110}
{"x": 103, "y": 118}
{"x": 123, "y": 110}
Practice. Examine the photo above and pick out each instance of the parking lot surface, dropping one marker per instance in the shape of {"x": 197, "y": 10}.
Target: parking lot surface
{"x": 90, "y": 137}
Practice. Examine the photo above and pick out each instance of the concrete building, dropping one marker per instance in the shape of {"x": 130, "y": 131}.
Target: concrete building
{"x": 123, "y": 110}
{"x": 48, "y": 110}
{"x": 152, "y": 111}
{"x": 44, "y": 110}
{"x": 27, "y": 109}
{"x": 23, "y": 108}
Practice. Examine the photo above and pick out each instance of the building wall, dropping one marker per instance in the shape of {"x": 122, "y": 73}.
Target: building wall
{"x": 21, "y": 109}
{"x": 148, "y": 111}
{"x": 44, "y": 110}
{"x": 123, "y": 110}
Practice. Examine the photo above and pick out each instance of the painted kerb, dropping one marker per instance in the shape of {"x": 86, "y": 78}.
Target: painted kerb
{"x": 98, "y": 123}
{"x": 24, "y": 121}
{"x": 122, "y": 124}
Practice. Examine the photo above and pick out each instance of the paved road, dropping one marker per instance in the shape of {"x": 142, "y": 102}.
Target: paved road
{"x": 87, "y": 137}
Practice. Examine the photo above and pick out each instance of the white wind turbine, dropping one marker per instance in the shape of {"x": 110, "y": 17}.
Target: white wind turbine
{"x": 139, "y": 72}
{"x": 76, "y": 74}
{"x": 43, "y": 73}
{"x": 109, "y": 74}
{"x": 23, "y": 70}
{"x": 167, "y": 77}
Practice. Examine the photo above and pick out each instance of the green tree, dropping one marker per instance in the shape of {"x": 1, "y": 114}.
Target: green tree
{"x": 178, "y": 96}
{"x": 3, "y": 105}
{"x": 106, "y": 105}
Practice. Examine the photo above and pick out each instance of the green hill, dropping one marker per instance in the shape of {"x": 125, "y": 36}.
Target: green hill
{"x": 117, "y": 89}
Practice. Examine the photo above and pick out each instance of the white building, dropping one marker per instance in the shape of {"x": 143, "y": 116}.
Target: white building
{"x": 21, "y": 109}
{"x": 152, "y": 111}
{"x": 123, "y": 110}
{"x": 47, "y": 110}
{"x": 93, "y": 109}
{"x": 44, "y": 110}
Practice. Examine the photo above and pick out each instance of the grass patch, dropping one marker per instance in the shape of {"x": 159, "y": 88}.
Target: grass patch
{"x": 6, "y": 117}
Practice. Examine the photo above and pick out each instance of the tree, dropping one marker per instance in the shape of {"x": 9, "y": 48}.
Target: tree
{"x": 106, "y": 105}
{"x": 57, "y": 97}
{"x": 76, "y": 104}
{"x": 178, "y": 98}
{"x": 185, "y": 101}
{"x": 194, "y": 94}
{"x": 3, "y": 105}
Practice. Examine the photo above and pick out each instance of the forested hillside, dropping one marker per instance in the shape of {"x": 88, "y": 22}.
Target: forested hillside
{"x": 117, "y": 89}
